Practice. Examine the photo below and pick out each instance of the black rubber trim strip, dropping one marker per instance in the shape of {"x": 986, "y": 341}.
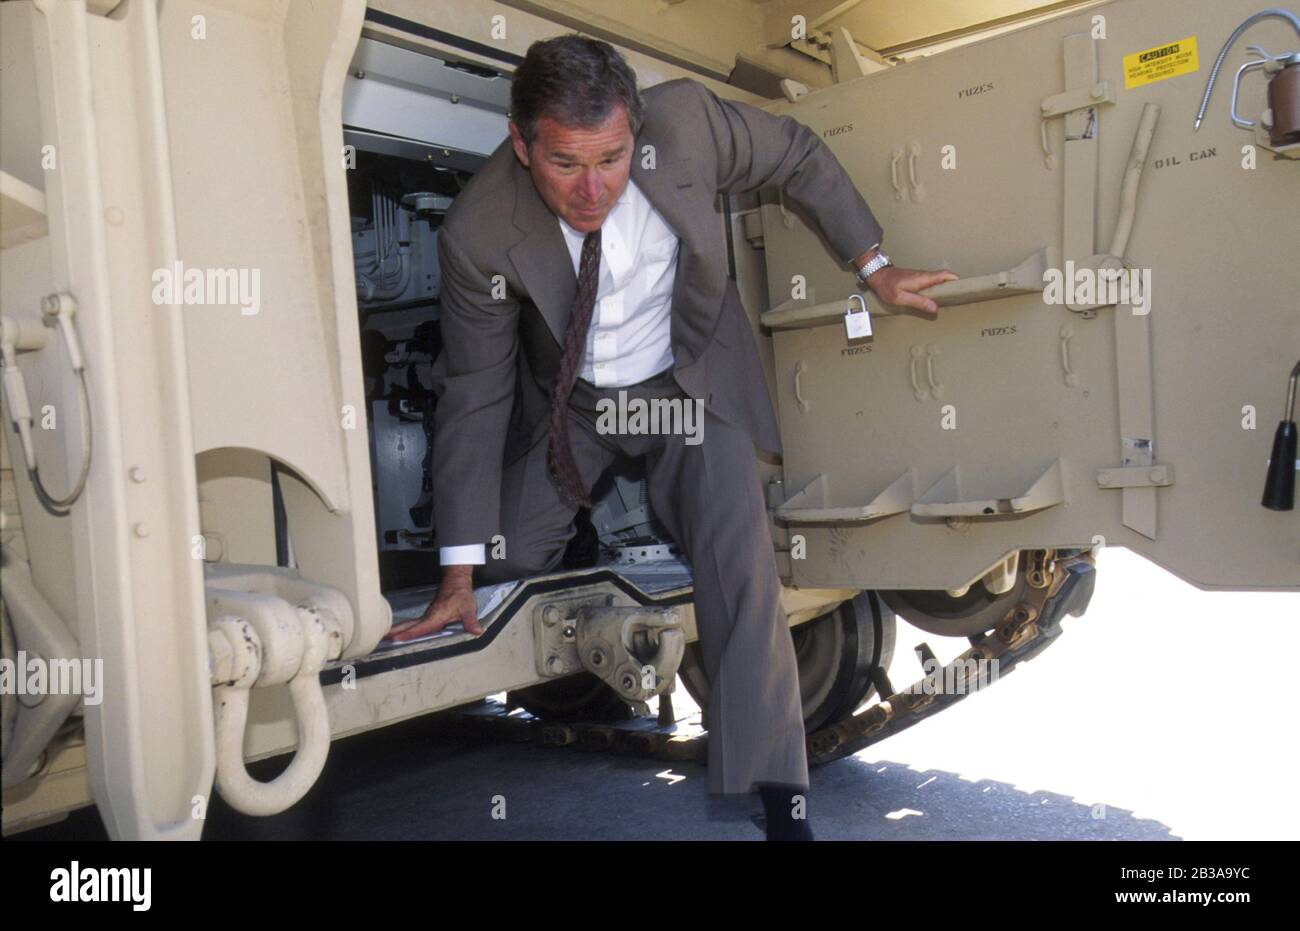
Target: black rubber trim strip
{"x": 281, "y": 518}
{"x": 377, "y": 665}
{"x": 447, "y": 38}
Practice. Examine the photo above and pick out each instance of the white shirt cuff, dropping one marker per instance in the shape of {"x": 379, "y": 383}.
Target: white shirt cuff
{"x": 468, "y": 554}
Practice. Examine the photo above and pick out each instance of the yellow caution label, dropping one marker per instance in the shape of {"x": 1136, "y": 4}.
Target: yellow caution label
{"x": 1163, "y": 61}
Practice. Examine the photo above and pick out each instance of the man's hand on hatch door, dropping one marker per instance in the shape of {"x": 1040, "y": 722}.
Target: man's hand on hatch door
{"x": 454, "y": 602}
{"x": 902, "y": 286}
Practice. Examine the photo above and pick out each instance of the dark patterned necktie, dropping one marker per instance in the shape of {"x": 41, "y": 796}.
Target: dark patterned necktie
{"x": 564, "y": 471}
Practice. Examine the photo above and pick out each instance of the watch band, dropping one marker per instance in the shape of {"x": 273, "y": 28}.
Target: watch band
{"x": 875, "y": 265}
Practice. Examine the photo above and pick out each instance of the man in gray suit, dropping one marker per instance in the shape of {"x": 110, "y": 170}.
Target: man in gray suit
{"x": 586, "y": 259}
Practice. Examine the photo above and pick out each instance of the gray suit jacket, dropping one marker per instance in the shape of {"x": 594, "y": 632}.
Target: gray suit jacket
{"x": 500, "y": 353}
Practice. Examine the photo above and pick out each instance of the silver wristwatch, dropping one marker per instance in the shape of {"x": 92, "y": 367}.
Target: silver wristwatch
{"x": 875, "y": 265}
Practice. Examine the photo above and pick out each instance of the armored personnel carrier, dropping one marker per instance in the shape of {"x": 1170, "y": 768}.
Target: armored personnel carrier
{"x": 219, "y": 305}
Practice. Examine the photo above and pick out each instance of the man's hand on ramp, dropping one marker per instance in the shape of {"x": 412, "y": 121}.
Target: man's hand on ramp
{"x": 453, "y": 602}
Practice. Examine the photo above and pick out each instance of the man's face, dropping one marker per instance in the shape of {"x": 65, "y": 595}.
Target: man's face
{"x": 579, "y": 172}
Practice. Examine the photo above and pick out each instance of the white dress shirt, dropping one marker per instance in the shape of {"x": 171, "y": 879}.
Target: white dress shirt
{"x": 630, "y": 336}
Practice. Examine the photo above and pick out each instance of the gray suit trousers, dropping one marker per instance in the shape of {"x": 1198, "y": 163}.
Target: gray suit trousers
{"x": 710, "y": 497}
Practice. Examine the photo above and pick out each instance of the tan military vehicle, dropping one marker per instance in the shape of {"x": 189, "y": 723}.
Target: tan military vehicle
{"x": 220, "y": 306}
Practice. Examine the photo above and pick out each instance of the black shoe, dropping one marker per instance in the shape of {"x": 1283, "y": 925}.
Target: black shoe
{"x": 778, "y": 820}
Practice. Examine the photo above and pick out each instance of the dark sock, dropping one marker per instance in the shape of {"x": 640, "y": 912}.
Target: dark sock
{"x": 778, "y": 807}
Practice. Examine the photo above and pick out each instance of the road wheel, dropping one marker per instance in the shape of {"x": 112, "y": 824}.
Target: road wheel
{"x": 836, "y": 654}
{"x": 975, "y": 612}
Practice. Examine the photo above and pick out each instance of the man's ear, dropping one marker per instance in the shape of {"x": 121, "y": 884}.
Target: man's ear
{"x": 517, "y": 140}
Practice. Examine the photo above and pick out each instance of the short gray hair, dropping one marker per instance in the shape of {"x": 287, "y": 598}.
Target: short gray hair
{"x": 575, "y": 81}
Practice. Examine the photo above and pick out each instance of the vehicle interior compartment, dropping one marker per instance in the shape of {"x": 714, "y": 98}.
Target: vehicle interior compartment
{"x": 416, "y": 129}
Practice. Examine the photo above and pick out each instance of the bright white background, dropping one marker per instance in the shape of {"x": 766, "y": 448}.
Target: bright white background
{"x": 1175, "y": 704}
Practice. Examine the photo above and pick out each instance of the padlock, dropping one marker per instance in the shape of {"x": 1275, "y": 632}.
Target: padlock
{"x": 857, "y": 323}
